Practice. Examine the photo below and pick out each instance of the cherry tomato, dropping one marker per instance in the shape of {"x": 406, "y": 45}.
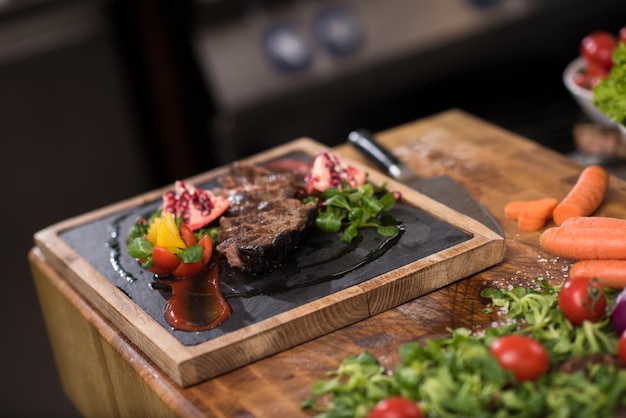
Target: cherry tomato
{"x": 621, "y": 348}
{"x": 524, "y": 356}
{"x": 164, "y": 259}
{"x": 589, "y": 78}
{"x": 187, "y": 235}
{"x": 598, "y": 47}
{"x": 581, "y": 79}
{"x": 594, "y": 73}
{"x": 582, "y": 299}
{"x": 396, "y": 407}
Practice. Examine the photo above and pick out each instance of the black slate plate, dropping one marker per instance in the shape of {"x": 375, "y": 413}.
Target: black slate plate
{"x": 321, "y": 266}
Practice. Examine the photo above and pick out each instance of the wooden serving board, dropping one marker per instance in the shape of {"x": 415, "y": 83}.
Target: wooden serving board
{"x": 439, "y": 246}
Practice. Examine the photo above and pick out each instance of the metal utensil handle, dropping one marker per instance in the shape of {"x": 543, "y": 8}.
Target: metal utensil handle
{"x": 364, "y": 141}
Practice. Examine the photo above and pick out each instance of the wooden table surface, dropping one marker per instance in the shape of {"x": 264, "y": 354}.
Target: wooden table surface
{"x": 104, "y": 375}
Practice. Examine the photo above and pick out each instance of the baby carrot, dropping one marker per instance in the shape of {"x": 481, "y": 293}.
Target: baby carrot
{"x": 595, "y": 222}
{"x": 586, "y": 195}
{"x": 538, "y": 207}
{"x": 529, "y": 221}
{"x": 531, "y": 215}
{"x": 611, "y": 273}
{"x": 585, "y": 243}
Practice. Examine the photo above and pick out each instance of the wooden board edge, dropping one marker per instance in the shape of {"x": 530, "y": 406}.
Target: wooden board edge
{"x": 431, "y": 273}
{"x": 132, "y": 321}
{"x": 273, "y": 335}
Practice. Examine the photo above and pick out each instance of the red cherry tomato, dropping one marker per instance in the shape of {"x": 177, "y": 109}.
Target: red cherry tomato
{"x": 594, "y": 73}
{"x": 396, "y": 407}
{"x": 582, "y": 299}
{"x": 621, "y": 348}
{"x": 524, "y": 356}
{"x": 164, "y": 259}
{"x": 581, "y": 80}
{"x": 598, "y": 47}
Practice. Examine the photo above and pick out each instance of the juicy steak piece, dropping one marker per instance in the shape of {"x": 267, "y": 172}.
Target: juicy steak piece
{"x": 266, "y": 220}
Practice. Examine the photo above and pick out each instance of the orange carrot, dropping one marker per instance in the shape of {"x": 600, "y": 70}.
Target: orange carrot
{"x": 543, "y": 206}
{"x": 611, "y": 273}
{"x": 531, "y": 215}
{"x": 586, "y": 195}
{"x": 530, "y": 221}
{"x": 595, "y": 222}
{"x": 585, "y": 243}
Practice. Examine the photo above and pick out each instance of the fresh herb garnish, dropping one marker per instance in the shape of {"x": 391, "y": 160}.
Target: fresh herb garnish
{"x": 457, "y": 375}
{"x": 141, "y": 226}
{"x": 355, "y": 208}
{"x": 141, "y": 248}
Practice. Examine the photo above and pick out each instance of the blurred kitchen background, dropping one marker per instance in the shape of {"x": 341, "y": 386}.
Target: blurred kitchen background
{"x": 101, "y": 100}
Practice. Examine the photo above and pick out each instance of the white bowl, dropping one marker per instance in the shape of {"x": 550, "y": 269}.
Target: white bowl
{"x": 584, "y": 97}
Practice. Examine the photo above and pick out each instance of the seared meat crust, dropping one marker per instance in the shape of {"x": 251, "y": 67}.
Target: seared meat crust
{"x": 266, "y": 220}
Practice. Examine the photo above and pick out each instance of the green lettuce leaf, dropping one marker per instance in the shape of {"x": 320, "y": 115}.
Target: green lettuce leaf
{"x": 609, "y": 95}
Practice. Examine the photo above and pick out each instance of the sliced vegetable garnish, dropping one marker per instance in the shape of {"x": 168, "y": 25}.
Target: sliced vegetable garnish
{"x": 168, "y": 247}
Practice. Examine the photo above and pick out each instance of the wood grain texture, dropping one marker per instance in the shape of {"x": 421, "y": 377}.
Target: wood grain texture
{"x": 495, "y": 166}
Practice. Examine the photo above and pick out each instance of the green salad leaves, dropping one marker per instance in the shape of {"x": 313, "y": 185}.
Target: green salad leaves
{"x": 354, "y": 208}
{"x": 457, "y": 375}
{"x": 609, "y": 95}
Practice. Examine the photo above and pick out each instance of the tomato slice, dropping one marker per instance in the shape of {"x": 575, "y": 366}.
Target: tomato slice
{"x": 163, "y": 259}
{"x": 189, "y": 269}
{"x": 186, "y": 233}
{"x": 207, "y": 246}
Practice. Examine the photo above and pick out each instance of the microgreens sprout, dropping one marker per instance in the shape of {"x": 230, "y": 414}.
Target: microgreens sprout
{"x": 457, "y": 375}
{"x": 354, "y": 208}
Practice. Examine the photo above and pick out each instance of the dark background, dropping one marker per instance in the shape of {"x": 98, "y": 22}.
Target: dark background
{"x": 103, "y": 100}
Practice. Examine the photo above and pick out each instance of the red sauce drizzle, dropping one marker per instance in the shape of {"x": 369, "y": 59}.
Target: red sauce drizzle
{"x": 197, "y": 303}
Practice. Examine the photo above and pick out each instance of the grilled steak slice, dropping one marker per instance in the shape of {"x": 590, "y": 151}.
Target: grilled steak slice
{"x": 265, "y": 221}
{"x": 251, "y": 186}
